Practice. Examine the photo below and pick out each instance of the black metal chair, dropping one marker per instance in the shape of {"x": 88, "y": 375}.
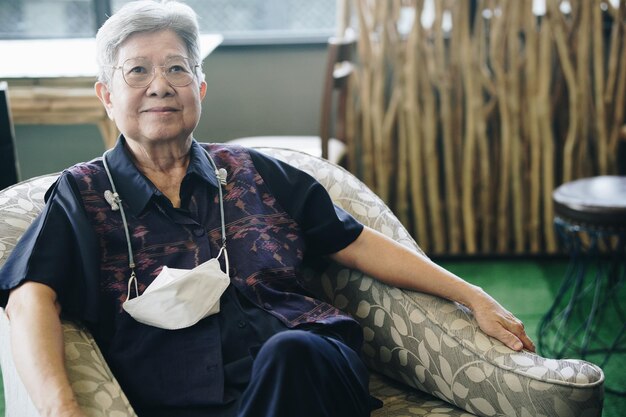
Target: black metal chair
{"x": 9, "y": 170}
{"x": 588, "y": 317}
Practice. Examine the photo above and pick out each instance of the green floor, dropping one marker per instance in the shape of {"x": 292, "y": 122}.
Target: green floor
{"x": 527, "y": 289}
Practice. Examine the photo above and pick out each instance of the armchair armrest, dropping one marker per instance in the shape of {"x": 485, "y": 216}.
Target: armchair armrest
{"x": 96, "y": 389}
{"x": 435, "y": 345}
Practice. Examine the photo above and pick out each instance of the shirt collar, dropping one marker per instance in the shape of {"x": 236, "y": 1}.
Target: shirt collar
{"x": 136, "y": 189}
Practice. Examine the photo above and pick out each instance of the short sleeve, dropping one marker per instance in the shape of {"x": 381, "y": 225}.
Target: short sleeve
{"x": 52, "y": 251}
{"x": 327, "y": 228}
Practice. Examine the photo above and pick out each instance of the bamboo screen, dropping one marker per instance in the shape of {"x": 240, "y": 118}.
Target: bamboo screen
{"x": 465, "y": 126}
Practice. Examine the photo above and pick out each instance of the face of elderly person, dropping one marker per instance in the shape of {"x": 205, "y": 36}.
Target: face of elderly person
{"x": 160, "y": 112}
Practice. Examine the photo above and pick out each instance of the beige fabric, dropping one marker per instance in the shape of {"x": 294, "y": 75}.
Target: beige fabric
{"x": 17, "y": 401}
{"x": 435, "y": 345}
{"x": 96, "y": 390}
{"x": 419, "y": 340}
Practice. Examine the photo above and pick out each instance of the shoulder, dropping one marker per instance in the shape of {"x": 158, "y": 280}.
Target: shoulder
{"x": 241, "y": 157}
{"x": 95, "y": 166}
{"x": 268, "y": 167}
{"x": 225, "y": 149}
{"x": 228, "y": 150}
{"x": 72, "y": 179}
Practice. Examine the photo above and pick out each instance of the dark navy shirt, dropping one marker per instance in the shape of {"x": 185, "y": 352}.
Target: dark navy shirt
{"x": 61, "y": 244}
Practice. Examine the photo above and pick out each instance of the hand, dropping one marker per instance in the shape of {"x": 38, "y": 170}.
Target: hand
{"x": 498, "y": 322}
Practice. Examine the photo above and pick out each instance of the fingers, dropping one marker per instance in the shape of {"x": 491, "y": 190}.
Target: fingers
{"x": 519, "y": 338}
{"x": 500, "y": 323}
{"x": 528, "y": 343}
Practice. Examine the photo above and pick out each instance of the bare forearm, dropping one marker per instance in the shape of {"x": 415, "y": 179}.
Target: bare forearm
{"x": 388, "y": 261}
{"x": 37, "y": 344}
{"x": 380, "y": 257}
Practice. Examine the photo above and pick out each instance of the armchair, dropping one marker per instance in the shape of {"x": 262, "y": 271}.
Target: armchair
{"x": 427, "y": 355}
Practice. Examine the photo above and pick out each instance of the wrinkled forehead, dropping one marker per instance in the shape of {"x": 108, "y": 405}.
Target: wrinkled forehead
{"x": 156, "y": 47}
{"x": 167, "y": 60}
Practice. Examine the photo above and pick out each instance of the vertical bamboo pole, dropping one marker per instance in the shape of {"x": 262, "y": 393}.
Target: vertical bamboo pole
{"x": 544, "y": 113}
{"x": 364, "y": 48}
{"x": 432, "y": 159}
{"x": 560, "y": 37}
{"x": 403, "y": 165}
{"x": 471, "y": 104}
{"x": 582, "y": 164}
{"x": 378, "y": 99}
{"x": 497, "y": 56}
{"x": 443, "y": 79}
{"x": 354, "y": 154}
{"x": 513, "y": 104}
{"x": 485, "y": 150}
{"x": 598, "y": 78}
{"x": 620, "y": 91}
{"x": 533, "y": 122}
{"x": 341, "y": 22}
{"x": 614, "y": 48}
{"x": 413, "y": 123}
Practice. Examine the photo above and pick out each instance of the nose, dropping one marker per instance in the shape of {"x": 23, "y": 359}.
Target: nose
{"x": 159, "y": 84}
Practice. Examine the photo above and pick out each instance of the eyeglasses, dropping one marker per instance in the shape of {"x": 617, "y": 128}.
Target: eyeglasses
{"x": 139, "y": 72}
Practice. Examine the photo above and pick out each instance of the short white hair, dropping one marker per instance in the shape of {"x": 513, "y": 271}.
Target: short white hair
{"x": 146, "y": 16}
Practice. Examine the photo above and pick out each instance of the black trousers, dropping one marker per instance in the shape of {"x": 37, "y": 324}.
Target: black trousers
{"x": 299, "y": 373}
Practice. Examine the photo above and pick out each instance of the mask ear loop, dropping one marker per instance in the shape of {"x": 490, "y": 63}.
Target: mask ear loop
{"x": 225, "y": 252}
{"x": 131, "y": 260}
{"x": 221, "y": 178}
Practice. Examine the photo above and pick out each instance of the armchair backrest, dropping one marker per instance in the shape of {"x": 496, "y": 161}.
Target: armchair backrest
{"x": 426, "y": 342}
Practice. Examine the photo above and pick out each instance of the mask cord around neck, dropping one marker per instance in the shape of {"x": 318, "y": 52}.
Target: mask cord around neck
{"x": 221, "y": 180}
{"x": 131, "y": 260}
{"x": 219, "y": 188}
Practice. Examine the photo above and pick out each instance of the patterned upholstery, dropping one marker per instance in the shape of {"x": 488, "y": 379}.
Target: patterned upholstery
{"x": 419, "y": 343}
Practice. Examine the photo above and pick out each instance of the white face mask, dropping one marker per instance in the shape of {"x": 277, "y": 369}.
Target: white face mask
{"x": 177, "y": 298}
{"x": 180, "y": 298}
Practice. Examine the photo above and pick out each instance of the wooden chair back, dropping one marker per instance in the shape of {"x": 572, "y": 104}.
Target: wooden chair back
{"x": 339, "y": 67}
{"x": 8, "y": 157}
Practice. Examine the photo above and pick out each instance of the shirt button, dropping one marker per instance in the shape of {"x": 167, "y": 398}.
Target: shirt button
{"x": 199, "y": 232}
{"x": 241, "y": 324}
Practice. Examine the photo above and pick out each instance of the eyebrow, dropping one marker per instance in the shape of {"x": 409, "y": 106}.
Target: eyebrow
{"x": 166, "y": 58}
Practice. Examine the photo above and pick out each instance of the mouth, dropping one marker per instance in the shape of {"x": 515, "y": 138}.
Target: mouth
{"x": 160, "y": 110}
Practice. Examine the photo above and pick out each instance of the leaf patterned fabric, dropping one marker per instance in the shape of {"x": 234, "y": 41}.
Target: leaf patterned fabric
{"x": 433, "y": 359}
{"x": 435, "y": 345}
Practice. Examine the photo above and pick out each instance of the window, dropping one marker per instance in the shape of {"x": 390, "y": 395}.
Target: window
{"x": 26, "y": 19}
{"x": 240, "y": 21}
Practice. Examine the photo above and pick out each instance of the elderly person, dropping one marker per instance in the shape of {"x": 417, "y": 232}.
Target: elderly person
{"x": 183, "y": 258}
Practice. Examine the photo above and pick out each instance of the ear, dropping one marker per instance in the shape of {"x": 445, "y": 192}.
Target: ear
{"x": 104, "y": 94}
{"x": 202, "y": 90}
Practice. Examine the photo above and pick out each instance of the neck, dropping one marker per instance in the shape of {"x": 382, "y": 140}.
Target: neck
{"x": 165, "y": 164}
{"x": 163, "y": 157}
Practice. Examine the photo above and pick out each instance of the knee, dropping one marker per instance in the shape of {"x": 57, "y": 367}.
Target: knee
{"x": 291, "y": 346}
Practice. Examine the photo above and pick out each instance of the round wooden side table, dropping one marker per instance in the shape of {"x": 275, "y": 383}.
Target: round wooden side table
{"x": 588, "y": 317}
